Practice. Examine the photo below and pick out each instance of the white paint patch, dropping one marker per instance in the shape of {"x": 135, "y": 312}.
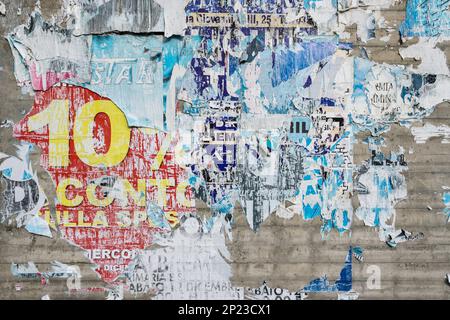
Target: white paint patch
{"x": 428, "y": 131}
{"x": 386, "y": 38}
{"x": 364, "y": 19}
{"x": 177, "y": 74}
{"x": 19, "y": 194}
{"x": 2, "y": 8}
{"x": 433, "y": 59}
{"x": 324, "y": 15}
{"x": 253, "y": 96}
{"x": 174, "y": 22}
{"x": 191, "y": 225}
{"x": 284, "y": 213}
{"x": 377, "y": 207}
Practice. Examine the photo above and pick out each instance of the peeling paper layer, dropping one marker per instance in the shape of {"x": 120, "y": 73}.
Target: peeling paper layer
{"x": 189, "y": 265}
{"x": 433, "y": 59}
{"x": 36, "y": 65}
{"x": 104, "y": 16}
{"x": 128, "y": 70}
{"x": 174, "y": 24}
{"x": 427, "y": 18}
{"x": 251, "y": 104}
{"x": 22, "y": 197}
{"x": 386, "y": 94}
{"x": 2, "y": 8}
{"x": 428, "y": 131}
{"x": 381, "y": 186}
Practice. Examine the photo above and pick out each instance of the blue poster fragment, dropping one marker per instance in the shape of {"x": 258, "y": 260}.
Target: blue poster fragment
{"x": 128, "y": 69}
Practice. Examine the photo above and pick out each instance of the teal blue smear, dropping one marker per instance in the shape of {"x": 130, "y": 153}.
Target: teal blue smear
{"x": 376, "y": 221}
{"x": 223, "y": 206}
{"x": 180, "y": 51}
{"x": 331, "y": 185}
{"x": 361, "y": 69}
{"x": 310, "y": 190}
{"x": 446, "y": 199}
{"x": 26, "y": 176}
{"x": 7, "y": 172}
{"x": 358, "y": 250}
{"x": 157, "y": 217}
{"x": 310, "y": 213}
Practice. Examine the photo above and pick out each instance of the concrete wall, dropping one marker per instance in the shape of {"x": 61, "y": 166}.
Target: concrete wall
{"x": 287, "y": 253}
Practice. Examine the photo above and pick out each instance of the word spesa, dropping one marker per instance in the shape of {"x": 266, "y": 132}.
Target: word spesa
{"x": 100, "y": 219}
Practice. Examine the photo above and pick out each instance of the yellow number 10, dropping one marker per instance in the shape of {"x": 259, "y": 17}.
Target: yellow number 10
{"x": 56, "y": 116}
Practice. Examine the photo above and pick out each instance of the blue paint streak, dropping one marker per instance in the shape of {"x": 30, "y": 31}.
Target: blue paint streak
{"x": 343, "y": 284}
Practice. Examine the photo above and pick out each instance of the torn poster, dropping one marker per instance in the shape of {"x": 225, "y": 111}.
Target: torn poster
{"x": 367, "y": 16}
{"x": 103, "y": 211}
{"x": 381, "y": 185}
{"x": 174, "y": 24}
{"x": 428, "y": 131}
{"x": 146, "y": 108}
{"x": 58, "y": 270}
{"x": 426, "y": 18}
{"x": 399, "y": 236}
{"x": 105, "y": 16}
{"x": 22, "y": 196}
{"x": 384, "y": 94}
{"x": 37, "y": 66}
{"x": 190, "y": 264}
{"x": 342, "y": 285}
{"x": 128, "y": 69}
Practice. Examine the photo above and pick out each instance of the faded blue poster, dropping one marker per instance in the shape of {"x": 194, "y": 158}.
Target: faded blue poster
{"x": 128, "y": 69}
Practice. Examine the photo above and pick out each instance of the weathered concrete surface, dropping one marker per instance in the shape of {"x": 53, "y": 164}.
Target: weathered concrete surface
{"x": 285, "y": 253}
